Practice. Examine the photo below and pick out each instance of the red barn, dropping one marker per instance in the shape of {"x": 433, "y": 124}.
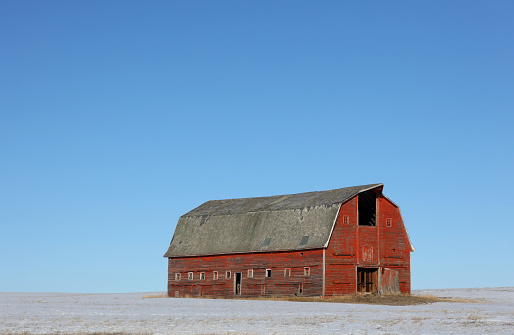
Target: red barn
{"x": 335, "y": 242}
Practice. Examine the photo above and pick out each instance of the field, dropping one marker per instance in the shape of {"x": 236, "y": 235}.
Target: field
{"x": 471, "y": 311}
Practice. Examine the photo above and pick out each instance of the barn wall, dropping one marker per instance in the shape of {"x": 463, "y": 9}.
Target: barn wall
{"x": 353, "y": 246}
{"x": 277, "y": 284}
{"x": 394, "y": 243}
{"x": 342, "y": 252}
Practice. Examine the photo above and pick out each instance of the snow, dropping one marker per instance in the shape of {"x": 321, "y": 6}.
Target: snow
{"x": 492, "y": 312}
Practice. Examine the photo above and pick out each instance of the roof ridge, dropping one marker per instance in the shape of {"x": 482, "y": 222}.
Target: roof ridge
{"x": 277, "y": 202}
{"x": 283, "y": 195}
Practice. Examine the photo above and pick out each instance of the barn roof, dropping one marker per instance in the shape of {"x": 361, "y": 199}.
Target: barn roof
{"x": 276, "y": 223}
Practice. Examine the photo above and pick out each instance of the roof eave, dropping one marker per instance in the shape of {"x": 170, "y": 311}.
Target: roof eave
{"x": 246, "y": 252}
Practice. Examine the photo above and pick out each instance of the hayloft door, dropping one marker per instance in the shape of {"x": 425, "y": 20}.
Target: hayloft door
{"x": 238, "y": 283}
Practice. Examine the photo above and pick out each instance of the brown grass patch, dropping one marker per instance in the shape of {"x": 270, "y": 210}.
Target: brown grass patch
{"x": 153, "y": 296}
{"x": 79, "y": 333}
{"x": 369, "y": 299}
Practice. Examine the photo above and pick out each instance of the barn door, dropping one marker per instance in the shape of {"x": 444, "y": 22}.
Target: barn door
{"x": 367, "y": 280}
{"x": 389, "y": 281}
{"x": 238, "y": 283}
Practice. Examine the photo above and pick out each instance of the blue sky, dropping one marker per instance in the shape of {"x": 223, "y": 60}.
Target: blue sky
{"x": 117, "y": 117}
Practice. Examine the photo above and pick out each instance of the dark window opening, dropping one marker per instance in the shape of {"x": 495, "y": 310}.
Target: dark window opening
{"x": 368, "y": 208}
{"x": 268, "y": 273}
{"x": 367, "y": 279}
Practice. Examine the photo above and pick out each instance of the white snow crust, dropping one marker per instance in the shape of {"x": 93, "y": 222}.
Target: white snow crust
{"x": 51, "y": 313}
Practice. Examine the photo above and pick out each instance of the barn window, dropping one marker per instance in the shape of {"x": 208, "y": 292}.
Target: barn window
{"x": 189, "y": 276}
{"x": 306, "y": 271}
{"x": 367, "y": 208}
{"x": 177, "y": 276}
{"x": 389, "y": 222}
{"x": 346, "y": 219}
{"x": 304, "y": 240}
{"x": 287, "y": 272}
{"x": 250, "y": 273}
{"x": 215, "y": 275}
{"x": 202, "y": 275}
{"x": 228, "y": 274}
{"x": 268, "y": 273}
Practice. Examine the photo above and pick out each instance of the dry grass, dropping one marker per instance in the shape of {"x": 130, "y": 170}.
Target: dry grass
{"x": 80, "y": 333}
{"x": 153, "y": 296}
{"x": 369, "y": 299}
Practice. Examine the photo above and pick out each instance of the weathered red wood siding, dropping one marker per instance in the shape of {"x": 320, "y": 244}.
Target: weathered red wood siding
{"x": 342, "y": 252}
{"x": 394, "y": 244}
{"x": 277, "y": 284}
{"x": 353, "y": 246}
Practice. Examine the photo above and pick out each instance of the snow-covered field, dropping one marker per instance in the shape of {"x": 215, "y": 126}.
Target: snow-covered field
{"x": 45, "y": 313}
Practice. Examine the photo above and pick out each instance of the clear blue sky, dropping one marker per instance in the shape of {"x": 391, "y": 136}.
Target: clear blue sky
{"x": 117, "y": 117}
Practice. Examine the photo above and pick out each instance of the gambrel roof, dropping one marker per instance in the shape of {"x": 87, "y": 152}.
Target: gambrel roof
{"x": 276, "y": 223}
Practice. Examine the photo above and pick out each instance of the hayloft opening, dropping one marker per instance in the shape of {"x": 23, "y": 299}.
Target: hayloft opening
{"x": 367, "y": 280}
{"x": 368, "y": 208}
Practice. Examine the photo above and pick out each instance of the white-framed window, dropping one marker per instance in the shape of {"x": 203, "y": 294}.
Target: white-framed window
{"x": 306, "y": 271}
{"x": 268, "y": 273}
{"x": 346, "y": 219}
{"x": 190, "y": 276}
{"x": 389, "y": 222}
{"x": 287, "y": 272}
{"x": 228, "y": 274}
{"x": 215, "y": 275}
{"x": 250, "y": 273}
{"x": 202, "y": 275}
{"x": 177, "y": 276}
